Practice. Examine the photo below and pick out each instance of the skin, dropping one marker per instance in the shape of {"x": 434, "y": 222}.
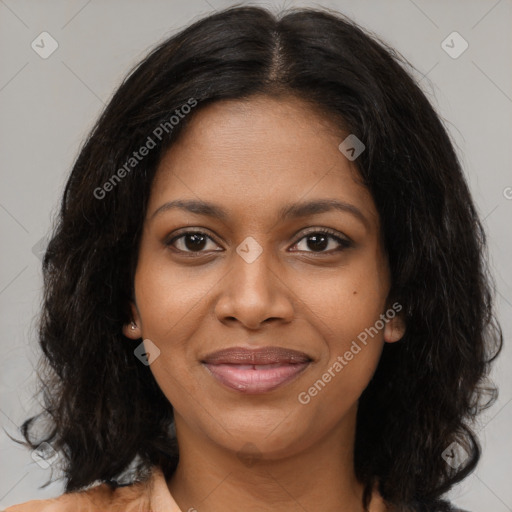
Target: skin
{"x": 266, "y": 451}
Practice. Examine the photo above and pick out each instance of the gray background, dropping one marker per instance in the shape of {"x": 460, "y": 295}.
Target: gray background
{"x": 48, "y": 106}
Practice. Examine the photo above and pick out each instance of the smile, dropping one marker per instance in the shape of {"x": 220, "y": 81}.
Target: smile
{"x": 255, "y": 378}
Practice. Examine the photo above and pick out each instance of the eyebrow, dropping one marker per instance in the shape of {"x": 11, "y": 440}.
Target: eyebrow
{"x": 289, "y": 211}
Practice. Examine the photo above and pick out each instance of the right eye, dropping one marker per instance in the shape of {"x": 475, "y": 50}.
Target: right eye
{"x": 190, "y": 242}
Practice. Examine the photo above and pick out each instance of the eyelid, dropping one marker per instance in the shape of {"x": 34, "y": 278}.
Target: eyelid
{"x": 329, "y": 231}
{"x": 344, "y": 241}
{"x": 169, "y": 240}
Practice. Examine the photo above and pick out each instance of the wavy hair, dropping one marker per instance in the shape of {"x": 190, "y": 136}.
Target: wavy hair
{"x": 104, "y": 411}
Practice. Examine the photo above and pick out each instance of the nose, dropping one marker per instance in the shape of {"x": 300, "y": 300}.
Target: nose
{"x": 254, "y": 293}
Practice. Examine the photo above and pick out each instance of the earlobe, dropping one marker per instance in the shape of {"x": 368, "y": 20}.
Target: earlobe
{"x": 394, "y": 329}
{"x": 132, "y": 329}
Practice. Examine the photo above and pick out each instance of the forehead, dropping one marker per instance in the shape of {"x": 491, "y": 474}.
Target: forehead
{"x": 257, "y": 155}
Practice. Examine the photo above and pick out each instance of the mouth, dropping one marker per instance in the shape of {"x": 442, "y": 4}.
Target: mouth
{"x": 256, "y": 371}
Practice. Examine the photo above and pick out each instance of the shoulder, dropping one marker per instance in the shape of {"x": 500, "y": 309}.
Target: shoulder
{"x": 100, "y": 497}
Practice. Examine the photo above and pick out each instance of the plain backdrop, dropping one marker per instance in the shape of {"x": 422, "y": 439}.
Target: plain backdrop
{"x": 48, "y": 105}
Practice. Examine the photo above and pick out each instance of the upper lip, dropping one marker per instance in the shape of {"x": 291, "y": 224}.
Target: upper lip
{"x": 263, "y": 355}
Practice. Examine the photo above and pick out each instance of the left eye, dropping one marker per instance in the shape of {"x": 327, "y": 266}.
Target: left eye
{"x": 319, "y": 241}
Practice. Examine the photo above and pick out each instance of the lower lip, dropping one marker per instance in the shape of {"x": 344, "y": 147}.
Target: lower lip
{"x": 247, "y": 379}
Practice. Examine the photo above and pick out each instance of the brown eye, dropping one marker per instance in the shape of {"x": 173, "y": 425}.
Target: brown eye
{"x": 319, "y": 241}
{"x": 191, "y": 241}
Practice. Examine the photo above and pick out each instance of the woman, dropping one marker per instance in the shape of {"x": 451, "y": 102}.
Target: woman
{"x": 267, "y": 287}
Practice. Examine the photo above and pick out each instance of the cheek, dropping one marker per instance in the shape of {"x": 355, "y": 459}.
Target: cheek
{"x": 168, "y": 299}
{"x": 348, "y": 303}
{"x": 348, "y": 312}
{"x": 353, "y": 348}
{"x": 169, "y": 303}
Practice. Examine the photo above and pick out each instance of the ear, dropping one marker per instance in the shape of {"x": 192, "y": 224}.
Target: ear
{"x": 394, "y": 329}
{"x": 133, "y": 329}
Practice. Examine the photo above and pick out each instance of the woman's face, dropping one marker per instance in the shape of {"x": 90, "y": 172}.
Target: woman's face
{"x": 255, "y": 278}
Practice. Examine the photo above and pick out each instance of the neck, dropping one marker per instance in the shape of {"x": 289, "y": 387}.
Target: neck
{"x": 320, "y": 476}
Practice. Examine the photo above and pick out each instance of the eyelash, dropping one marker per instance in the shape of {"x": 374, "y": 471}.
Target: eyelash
{"x": 344, "y": 243}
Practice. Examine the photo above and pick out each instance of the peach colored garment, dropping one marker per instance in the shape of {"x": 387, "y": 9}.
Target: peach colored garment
{"x": 151, "y": 496}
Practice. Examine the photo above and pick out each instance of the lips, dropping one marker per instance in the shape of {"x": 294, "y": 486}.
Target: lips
{"x": 255, "y": 370}
{"x": 260, "y": 356}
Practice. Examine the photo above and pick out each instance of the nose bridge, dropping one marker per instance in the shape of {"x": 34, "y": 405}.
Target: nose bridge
{"x": 252, "y": 269}
{"x": 253, "y": 292}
